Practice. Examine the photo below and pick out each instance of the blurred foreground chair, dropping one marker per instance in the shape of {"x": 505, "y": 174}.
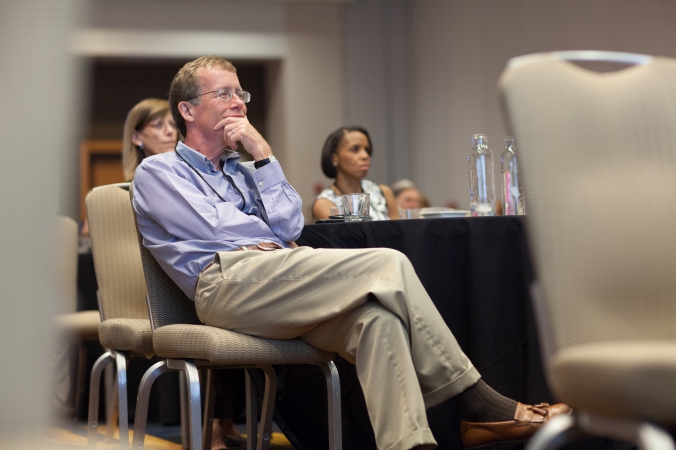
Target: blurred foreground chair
{"x": 598, "y": 152}
{"x": 179, "y": 336}
{"x": 125, "y": 329}
{"x": 76, "y": 327}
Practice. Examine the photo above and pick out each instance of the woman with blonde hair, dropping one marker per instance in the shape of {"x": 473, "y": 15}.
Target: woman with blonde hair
{"x": 149, "y": 130}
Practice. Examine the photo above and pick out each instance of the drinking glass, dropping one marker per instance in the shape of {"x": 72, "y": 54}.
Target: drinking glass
{"x": 412, "y": 213}
{"x": 356, "y": 207}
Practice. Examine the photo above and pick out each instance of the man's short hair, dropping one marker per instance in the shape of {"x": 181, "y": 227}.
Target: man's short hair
{"x": 186, "y": 85}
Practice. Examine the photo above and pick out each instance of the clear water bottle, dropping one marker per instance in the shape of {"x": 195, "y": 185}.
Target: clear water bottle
{"x": 481, "y": 181}
{"x": 512, "y": 188}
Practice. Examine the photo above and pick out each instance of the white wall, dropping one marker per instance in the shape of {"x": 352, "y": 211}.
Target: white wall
{"x": 301, "y": 41}
{"x": 421, "y": 75}
{"x": 309, "y": 100}
{"x": 377, "y": 82}
{"x": 461, "y": 47}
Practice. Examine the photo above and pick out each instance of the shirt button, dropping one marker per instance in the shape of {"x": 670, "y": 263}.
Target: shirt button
{"x": 260, "y": 183}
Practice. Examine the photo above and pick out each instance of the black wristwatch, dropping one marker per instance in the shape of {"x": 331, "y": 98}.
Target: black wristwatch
{"x": 263, "y": 162}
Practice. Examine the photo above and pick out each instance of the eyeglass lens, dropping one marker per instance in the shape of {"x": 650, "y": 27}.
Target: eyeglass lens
{"x": 226, "y": 95}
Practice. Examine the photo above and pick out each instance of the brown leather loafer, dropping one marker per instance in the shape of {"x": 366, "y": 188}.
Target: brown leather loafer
{"x": 527, "y": 420}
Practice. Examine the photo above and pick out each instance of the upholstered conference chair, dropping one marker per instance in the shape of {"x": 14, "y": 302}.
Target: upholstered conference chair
{"x": 75, "y": 326}
{"x": 598, "y": 152}
{"x": 187, "y": 344}
{"x": 125, "y": 330}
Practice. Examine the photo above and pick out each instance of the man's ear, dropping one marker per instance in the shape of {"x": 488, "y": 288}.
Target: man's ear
{"x": 186, "y": 111}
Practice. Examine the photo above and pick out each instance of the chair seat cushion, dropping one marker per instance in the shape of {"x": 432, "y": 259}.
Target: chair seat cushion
{"x": 82, "y": 325}
{"x": 225, "y": 347}
{"x": 621, "y": 379}
{"x": 127, "y": 335}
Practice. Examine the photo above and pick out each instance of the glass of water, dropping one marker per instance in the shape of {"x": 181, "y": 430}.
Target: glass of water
{"x": 356, "y": 207}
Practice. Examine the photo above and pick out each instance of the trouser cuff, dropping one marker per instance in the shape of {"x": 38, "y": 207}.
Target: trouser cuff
{"x": 452, "y": 388}
{"x": 420, "y": 439}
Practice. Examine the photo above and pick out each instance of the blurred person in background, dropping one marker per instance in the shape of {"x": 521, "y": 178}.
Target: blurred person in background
{"x": 149, "y": 130}
{"x": 346, "y": 157}
{"x": 407, "y": 195}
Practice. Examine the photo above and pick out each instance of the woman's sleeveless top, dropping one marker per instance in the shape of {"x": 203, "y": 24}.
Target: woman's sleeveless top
{"x": 376, "y": 197}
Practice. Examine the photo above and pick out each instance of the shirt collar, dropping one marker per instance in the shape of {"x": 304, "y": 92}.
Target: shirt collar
{"x": 199, "y": 161}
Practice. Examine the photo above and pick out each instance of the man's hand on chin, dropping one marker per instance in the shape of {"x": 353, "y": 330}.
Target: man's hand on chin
{"x": 238, "y": 129}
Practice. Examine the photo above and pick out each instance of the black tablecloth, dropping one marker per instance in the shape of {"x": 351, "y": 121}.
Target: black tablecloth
{"x": 477, "y": 272}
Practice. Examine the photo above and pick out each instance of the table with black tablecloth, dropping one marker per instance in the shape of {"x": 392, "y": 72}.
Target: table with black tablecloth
{"x": 477, "y": 272}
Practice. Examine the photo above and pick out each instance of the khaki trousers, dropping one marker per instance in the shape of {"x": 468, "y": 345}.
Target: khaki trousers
{"x": 367, "y": 305}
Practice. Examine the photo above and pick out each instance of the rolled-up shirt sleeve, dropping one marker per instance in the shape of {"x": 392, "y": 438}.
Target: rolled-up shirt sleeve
{"x": 281, "y": 201}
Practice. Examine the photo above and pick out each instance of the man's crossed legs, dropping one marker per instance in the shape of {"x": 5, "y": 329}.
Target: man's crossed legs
{"x": 369, "y": 306}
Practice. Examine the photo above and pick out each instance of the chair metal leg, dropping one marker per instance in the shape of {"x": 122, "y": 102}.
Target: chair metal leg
{"x": 208, "y": 422}
{"x": 557, "y": 432}
{"x": 268, "y": 407}
{"x": 121, "y": 362}
{"x": 94, "y": 387}
{"x": 184, "y": 410}
{"x": 251, "y": 413}
{"x": 193, "y": 382}
{"x": 333, "y": 395}
{"x": 142, "y": 401}
{"x": 111, "y": 397}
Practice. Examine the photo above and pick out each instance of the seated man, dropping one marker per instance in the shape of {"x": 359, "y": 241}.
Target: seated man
{"x": 224, "y": 231}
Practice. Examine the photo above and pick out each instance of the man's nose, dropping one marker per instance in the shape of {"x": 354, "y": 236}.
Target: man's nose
{"x": 237, "y": 102}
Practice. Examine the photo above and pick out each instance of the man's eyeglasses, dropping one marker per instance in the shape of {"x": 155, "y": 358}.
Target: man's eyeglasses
{"x": 226, "y": 95}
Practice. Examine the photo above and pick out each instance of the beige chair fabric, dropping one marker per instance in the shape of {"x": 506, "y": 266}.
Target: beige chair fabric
{"x": 225, "y": 347}
{"x": 125, "y": 330}
{"x": 117, "y": 260}
{"x": 82, "y": 325}
{"x": 77, "y": 325}
{"x": 71, "y": 325}
{"x": 598, "y": 157}
{"x": 593, "y": 374}
{"x": 66, "y": 271}
{"x": 119, "y": 273}
{"x": 127, "y": 335}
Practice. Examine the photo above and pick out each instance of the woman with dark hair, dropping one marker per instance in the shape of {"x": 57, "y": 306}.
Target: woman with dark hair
{"x": 346, "y": 157}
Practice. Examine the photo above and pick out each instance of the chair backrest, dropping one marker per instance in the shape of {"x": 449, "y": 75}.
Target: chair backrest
{"x": 598, "y": 153}
{"x": 66, "y": 269}
{"x": 166, "y": 301}
{"x": 117, "y": 260}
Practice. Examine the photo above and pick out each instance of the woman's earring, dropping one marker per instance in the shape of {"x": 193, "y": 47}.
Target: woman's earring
{"x": 140, "y": 145}
{"x": 335, "y": 164}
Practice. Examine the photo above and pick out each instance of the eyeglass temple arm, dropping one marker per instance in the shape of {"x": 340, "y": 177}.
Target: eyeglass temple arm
{"x": 582, "y": 55}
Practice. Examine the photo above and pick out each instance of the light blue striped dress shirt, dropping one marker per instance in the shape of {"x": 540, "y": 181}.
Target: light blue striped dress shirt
{"x": 184, "y": 223}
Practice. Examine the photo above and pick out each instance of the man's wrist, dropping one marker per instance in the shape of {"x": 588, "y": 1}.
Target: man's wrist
{"x": 265, "y": 161}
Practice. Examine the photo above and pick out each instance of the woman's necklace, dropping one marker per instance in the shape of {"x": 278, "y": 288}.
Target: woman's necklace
{"x": 340, "y": 192}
